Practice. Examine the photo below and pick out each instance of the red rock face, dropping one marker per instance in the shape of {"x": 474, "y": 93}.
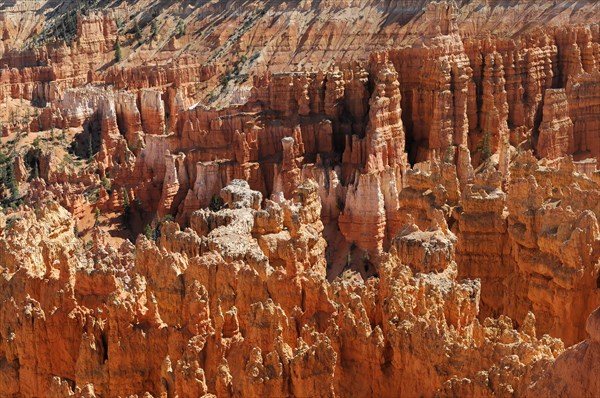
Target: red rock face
{"x": 434, "y": 77}
{"x": 585, "y": 132}
{"x": 556, "y": 131}
{"x": 311, "y": 199}
{"x": 385, "y": 131}
{"x": 153, "y": 112}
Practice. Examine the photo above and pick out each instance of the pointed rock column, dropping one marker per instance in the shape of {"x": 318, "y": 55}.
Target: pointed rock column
{"x": 363, "y": 219}
{"x": 153, "y": 112}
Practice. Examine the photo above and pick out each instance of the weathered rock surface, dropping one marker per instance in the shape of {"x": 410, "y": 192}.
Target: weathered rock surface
{"x": 228, "y": 313}
{"x": 326, "y": 198}
{"x": 556, "y": 131}
{"x": 573, "y": 373}
{"x": 535, "y": 246}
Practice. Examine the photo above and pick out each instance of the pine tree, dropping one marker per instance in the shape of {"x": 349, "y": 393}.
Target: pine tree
{"x": 486, "y": 144}
{"x": 90, "y": 150}
{"x": 36, "y": 169}
{"x": 106, "y": 184}
{"x": 216, "y": 203}
{"x": 126, "y": 208}
{"x": 149, "y": 232}
{"x": 126, "y": 202}
{"x": 118, "y": 53}
{"x": 97, "y": 217}
{"x": 154, "y": 28}
{"x": 138, "y": 31}
{"x": 11, "y": 182}
{"x": 449, "y": 157}
{"x": 181, "y": 28}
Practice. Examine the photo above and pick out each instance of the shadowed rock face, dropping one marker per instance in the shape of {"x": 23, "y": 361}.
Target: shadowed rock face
{"x": 311, "y": 198}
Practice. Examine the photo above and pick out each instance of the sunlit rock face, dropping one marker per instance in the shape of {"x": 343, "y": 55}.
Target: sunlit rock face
{"x": 333, "y": 198}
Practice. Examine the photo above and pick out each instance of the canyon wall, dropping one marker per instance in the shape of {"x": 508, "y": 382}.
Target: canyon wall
{"x": 310, "y": 199}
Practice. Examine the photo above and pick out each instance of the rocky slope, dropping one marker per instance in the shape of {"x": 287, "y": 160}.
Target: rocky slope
{"x": 373, "y": 198}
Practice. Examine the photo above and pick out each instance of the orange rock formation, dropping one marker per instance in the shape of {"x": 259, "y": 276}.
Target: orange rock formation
{"x": 357, "y": 198}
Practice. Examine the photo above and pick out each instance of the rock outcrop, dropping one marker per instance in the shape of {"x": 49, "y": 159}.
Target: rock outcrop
{"x": 556, "y": 131}
{"x": 257, "y": 306}
{"x": 573, "y": 372}
{"x": 357, "y": 198}
{"x": 535, "y": 247}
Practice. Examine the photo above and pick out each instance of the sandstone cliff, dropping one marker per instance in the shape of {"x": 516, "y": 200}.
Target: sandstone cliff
{"x": 355, "y": 198}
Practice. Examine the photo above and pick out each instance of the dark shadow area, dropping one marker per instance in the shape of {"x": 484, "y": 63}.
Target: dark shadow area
{"x": 411, "y": 146}
{"x": 87, "y": 143}
{"x": 6, "y": 4}
{"x": 537, "y": 122}
{"x": 32, "y": 161}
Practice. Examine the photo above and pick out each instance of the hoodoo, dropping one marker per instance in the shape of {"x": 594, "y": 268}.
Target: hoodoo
{"x": 299, "y": 199}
